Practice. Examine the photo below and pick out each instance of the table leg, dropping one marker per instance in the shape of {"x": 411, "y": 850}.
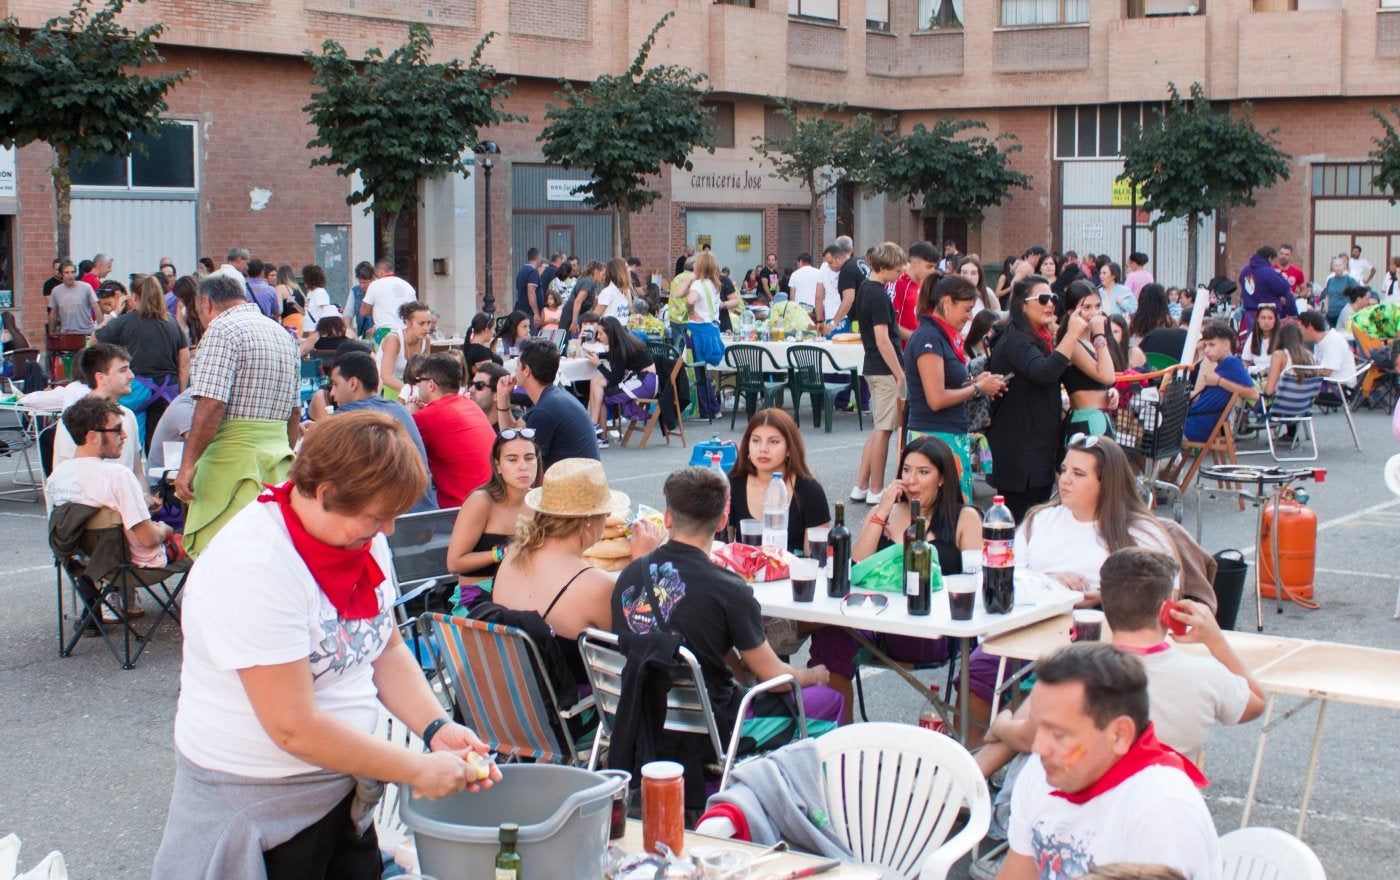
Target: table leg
{"x": 964, "y": 681}
{"x": 1258, "y": 570}
{"x": 1312, "y": 769}
{"x": 1273, "y": 544}
{"x": 996, "y": 689}
{"x": 1258, "y": 762}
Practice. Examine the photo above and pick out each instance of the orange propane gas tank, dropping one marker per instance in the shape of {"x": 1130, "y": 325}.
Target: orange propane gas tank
{"x": 1297, "y": 549}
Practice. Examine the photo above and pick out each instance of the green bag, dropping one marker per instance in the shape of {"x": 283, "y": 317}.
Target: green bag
{"x": 883, "y": 572}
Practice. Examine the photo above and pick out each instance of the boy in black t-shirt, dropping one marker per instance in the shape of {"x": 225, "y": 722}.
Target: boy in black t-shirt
{"x": 879, "y": 333}
{"x": 676, "y": 587}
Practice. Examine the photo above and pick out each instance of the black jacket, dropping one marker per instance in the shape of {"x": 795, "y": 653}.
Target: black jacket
{"x": 1025, "y": 431}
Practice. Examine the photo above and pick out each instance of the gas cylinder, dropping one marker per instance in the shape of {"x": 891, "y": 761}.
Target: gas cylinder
{"x": 1297, "y": 548}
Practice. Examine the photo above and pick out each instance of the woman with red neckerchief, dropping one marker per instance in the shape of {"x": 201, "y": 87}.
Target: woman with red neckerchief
{"x": 1024, "y": 435}
{"x": 935, "y": 370}
{"x": 290, "y": 650}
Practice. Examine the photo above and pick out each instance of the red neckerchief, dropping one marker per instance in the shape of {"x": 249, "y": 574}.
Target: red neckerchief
{"x": 1143, "y": 652}
{"x": 349, "y": 578}
{"x": 1044, "y": 333}
{"x": 954, "y": 337}
{"x": 1146, "y": 752}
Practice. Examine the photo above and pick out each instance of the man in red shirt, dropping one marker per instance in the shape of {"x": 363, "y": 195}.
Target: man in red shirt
{"x": 923, "y": 259}
{"x": 455, "y": 431}
{"x": 1290, "y": 271}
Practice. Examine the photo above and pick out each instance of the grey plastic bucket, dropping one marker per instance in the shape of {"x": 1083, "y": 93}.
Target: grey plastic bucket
{"x": 563, "y": 814}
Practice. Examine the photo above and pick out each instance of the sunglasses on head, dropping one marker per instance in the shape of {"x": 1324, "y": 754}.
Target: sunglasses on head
{"x": 1084, "y": 441}
{"x": 522, "y": 433}
{"x": 1046, "y": 299}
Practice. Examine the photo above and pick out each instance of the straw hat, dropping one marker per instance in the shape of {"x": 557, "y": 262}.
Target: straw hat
{"x": 576, "y": 487}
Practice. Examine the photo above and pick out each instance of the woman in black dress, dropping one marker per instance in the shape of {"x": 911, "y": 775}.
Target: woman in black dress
{"x": 487, "y": 518}
{"x": 772, "y": 443}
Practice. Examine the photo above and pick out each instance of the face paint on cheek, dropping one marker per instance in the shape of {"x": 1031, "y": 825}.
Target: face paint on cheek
{"x": 1075, "y": 756}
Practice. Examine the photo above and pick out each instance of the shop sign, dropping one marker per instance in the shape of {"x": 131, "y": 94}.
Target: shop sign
{"x": 565, "y": 190}
{"x": 744, "y": 241}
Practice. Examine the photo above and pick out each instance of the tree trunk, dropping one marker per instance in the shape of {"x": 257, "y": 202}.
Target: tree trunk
{"x": 938, "y": 234}
{"x": 624, "y": 229}
{"x": 1193, "y": 222}
{"x": 388, "y": 225}
{"x": 63, "y": 201}
{"x": 814, "y": 214}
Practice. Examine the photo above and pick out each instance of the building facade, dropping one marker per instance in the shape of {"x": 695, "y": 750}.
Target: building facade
{"x": 1067, "y": 77}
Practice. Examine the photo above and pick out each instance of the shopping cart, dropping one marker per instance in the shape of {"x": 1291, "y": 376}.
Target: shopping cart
{"x": 1150, "y": 422}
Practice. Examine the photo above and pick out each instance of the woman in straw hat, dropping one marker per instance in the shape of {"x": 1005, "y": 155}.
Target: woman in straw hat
{"x": 544, "y": 569}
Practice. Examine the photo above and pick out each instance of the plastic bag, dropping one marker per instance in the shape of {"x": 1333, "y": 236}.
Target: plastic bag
{"x": 882, "y": 571}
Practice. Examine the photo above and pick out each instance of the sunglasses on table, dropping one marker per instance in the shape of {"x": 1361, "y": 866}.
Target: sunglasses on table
{"x": 865, "y": 603}
{"x": 522, "y": 433}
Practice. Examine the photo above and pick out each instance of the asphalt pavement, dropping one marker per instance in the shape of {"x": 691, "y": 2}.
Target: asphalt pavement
{"x": 88, "y": 760}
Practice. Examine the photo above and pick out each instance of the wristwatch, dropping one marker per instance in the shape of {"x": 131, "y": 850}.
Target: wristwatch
{"x": 431, "y": 731}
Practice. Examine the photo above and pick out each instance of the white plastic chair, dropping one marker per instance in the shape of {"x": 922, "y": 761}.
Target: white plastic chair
{"x": 893, "y": 792}
{"x": 52, "y": 866}
{"x": 1267, "y": 854}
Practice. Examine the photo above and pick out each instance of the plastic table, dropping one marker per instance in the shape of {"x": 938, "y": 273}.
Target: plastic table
{"x": 782, "y": 865}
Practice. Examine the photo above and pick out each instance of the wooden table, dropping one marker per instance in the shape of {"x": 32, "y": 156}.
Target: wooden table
{"x": 784, "y": 864}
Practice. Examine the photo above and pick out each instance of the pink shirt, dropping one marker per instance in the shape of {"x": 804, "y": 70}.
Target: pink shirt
{"x": 1137, "y": 280}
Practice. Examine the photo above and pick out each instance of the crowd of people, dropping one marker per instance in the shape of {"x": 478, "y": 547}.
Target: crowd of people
{"x": 288, "y": 651}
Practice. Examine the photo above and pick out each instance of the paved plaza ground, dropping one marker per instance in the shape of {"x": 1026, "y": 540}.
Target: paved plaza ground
{"x": 87, "y": 757}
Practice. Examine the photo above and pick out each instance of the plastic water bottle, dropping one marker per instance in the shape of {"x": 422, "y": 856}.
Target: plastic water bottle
{"x": 746, "y": 325}
{"x": 775, "y": 513}
{"x": 998, "y": 558}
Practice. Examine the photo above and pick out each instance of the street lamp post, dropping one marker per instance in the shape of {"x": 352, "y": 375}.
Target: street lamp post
{"x": 488, "y": 302}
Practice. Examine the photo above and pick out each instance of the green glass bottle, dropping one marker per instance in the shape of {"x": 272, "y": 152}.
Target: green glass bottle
{"x": 918, "y": 582}
{"x": 508, "y": 860}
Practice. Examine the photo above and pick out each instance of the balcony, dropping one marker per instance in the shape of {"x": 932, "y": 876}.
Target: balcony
{"x": 1041, "y": 48}
{"x": 1291, "y": 54}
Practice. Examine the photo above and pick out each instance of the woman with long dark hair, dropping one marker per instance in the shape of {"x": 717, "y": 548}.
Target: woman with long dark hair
{"x": 1088, "y": 380}
{"x": 772, "y": 444}
{"x": 186, "y": 292}
{"x": 1263, "y": 337}
{"x": 487, "y": 518}
{"x": 1025, "y": 431}
{"x": 627, "y": 373}
{"x": 1152, "y": 328}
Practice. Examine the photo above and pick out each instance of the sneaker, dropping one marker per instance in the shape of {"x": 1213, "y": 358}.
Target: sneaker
{"x": 873, "y": 498}
{"x": 134, "y": 609}
{"x": 603, "y": 442}
{"x": 111, "y": 609}
{"x": 858, "y": 495}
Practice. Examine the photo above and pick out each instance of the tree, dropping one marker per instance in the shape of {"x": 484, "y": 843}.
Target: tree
{"x": 401, "y": 119}
{"x": 626, "y": 129}
{"x": 950, "y": 176}
{"x": 73, "y": 86}
{"x": 824, "y": 150}
{"x": 1193, "y": 160}
{"x": 1387, "y": 155}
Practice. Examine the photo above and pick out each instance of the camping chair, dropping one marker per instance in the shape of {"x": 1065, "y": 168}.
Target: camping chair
{"x": 807, "y": 375}
{"x": 1292, "y": 406}
{"x": 558, "y": 338}
{"x": 661, "y": 353}
{"x": 1381, "y": 377}
{"x": 499, "y": 685}
{"x": 688, "y": 708}
{"x": 97, "y": 562}
{"x": 753, "y": 365}
{"x": 418, "y": 549}
{"x": 1267, "y": 854}
{"x": 895, "y": 792}
{"x": 1220, "y": 443}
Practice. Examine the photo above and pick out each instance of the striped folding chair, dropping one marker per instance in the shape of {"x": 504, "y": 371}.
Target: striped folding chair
{"x": 499, "y": 686}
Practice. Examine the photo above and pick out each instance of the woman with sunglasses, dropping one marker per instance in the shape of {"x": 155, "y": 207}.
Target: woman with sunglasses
{"x": 488, "y": 517}
{"x": 936, "y": 371}
{"x": 1024, "y": 435}
{"x": 928, "y": 474}
{"x": 1088, "y": 380}
{"x": 626, "y": 373}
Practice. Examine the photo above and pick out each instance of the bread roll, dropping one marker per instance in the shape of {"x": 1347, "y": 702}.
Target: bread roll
{"x": 610, "y": 548}
{"x": 603, "y": 563}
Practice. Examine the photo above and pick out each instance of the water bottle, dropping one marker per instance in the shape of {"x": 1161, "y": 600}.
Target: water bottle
{"x": 775, "y": 513}
{"x": 998, "y": 558}
{"x": 746, "y": 325}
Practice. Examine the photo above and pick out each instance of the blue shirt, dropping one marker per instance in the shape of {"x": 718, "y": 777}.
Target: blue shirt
{"x": 400, "y": 413}
{"x": 1211, "y": 402}
{"x": 930, "y": 340}
{"x": 527, "y": 275}
{"x": 562, "y": 427}
{"x": 262, "y": 293}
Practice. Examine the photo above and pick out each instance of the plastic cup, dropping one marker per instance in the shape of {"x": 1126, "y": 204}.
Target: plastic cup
{"x": 962, "y": 597}
{"x": 804, "y": 579}
{"x": 751, "y": 532}
{"x": 972, "y": 562}
{"x": 1088, "y": 625}
{"x": 816, "y": 544}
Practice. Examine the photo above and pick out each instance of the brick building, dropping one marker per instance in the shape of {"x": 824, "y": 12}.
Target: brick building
{"x": 1064, "y": 76}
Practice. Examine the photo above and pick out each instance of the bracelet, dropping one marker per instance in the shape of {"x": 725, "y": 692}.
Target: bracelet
{"x": 499, "y": 552}
{"x": 874, "y": 518}
{"x": 498, "y": 409}
{"x": 431, "y": 731}
{"x": 1100, "y": 342}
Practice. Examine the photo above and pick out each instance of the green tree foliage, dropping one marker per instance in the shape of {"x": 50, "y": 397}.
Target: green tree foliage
{"x": 824, "y": 150}
{"x": 949, "y": 174}
{"x": 1387, "y": 155}
{"x": 626, "y": 129}
{"x": 401, "y": 120}
{"x": 1193, "y": 160}
{"x": 73, "y": 85}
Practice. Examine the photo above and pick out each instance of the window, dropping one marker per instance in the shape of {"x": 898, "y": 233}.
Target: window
{"x": 775, "y": 127}
{"x": 169, "y": 163}
{"x": 1094, "y": 130}
{"x": 1017, "y": 13}
{"x": 1349, "y": 179}
{"x": 722, "y": 119}
{"x": 829, "y": 10}
{"x": 1152, "y": 8}
{"x": 877, "y": 15}
{"x": 942, "y": 14}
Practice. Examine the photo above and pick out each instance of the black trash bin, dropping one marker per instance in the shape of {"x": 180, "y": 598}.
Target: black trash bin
{"x": 1230, "y": 573}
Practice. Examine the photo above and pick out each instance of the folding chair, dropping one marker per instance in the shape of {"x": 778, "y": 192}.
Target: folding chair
{"x": 97, "y": 562}
{"x": 559, "y": 338}
{"x": 688, "y": 708}
{"x": 752, "y": 365}
{"x": 1378, "y": 378}
{"x": 807, "y": 371}
{"x": 418, "y": 549}
{"x": 15, "y": 442}
{"x": 499, "y": 684}
{"x": 661, "y": 353}
{"x": 1292, "y": 406}
{"x": 1220, "y": 444}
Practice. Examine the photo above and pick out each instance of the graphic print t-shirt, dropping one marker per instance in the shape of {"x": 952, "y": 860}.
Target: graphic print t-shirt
{"x": 677, "y": 587}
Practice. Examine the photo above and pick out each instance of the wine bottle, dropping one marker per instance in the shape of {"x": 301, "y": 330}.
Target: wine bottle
{"x": 918, "y": 580}
{"x": 508, "y": 860}
{"x": 839, "y": 542}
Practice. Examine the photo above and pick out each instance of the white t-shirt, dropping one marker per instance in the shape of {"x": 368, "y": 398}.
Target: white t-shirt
{"x": 1155, "y": 816}
{"x": 245, "y": 609}
{"x": 228, "y": 270}
{"x": 386, "y": 295}
{"x": 64, "y": 448}
{"x": 1060, "y": 543}
{"x": 803, "y": 285}
{"x": 102, "y": 482}
{"x": 1188, "y": 694}
{"x": 706, "y": 305}
{"x": 613, "y": 303}
{"x": 831, "y": 283}
{"x": 1358, "y": 268}
{"x": 318, "y": 306}
{"x": 1333, "y": 353}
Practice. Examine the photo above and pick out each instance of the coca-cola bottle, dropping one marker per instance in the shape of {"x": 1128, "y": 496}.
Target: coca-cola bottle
{"x": 998, "y": 558}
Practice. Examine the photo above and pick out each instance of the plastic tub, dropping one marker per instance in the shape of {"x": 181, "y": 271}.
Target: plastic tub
{"x": 563, "y": 814}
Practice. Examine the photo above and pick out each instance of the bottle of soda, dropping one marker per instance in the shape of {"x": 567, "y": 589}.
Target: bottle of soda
{"x": 998, "y": 558}
{"x": 911, "y": 534}
{"x": 918, "y": 581}
{"x": 839, "y": 541}
{"x": 508, "y": 860}
{"x": 929, "y": 717}
{"x": 775, "y": 512}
